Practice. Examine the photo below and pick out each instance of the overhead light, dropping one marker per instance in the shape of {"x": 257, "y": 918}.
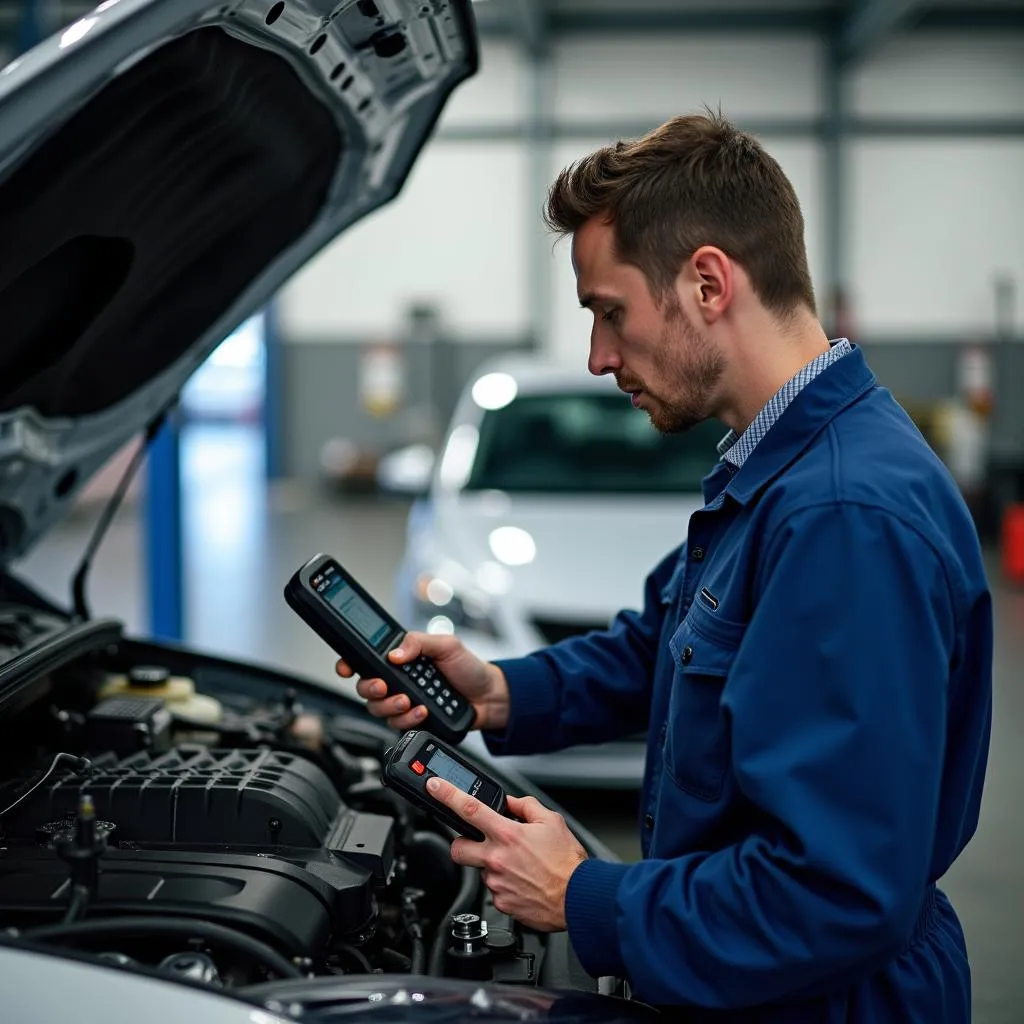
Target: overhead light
{"x": 494, "y": 390}
{"x": 512, "y": 545}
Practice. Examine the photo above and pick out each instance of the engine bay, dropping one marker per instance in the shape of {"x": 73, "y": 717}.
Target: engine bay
{"x": 225, "y": 825}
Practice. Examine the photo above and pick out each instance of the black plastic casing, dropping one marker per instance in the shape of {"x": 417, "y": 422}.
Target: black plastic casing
{"x": 368, "y": 661}
{"x": 127, "y": 723}
{"x": 294, "y": 899}
{"x": 257, "y": 839}
{"x": 398, "y": 774}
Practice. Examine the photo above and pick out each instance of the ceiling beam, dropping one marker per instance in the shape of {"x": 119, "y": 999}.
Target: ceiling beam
{"x": 594, "y": 132}
{"x": 978, "y": 17}
{"x": 632, "y": 22}
{"x": 871, "y": 22}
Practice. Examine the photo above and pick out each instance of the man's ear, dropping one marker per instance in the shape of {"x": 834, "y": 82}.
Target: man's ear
{"x": 714, "y": 279}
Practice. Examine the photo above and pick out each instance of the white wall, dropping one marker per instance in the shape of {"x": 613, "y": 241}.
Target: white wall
{"x": 931, "y": 222}
{"x": 930, "y": 74}
{"x": 657, "y": 77}
{"x": 496, "y": 94}
{"x": 455, "y": 235}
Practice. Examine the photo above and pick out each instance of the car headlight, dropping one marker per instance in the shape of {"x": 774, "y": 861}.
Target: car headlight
{"x": 449, "y": 611}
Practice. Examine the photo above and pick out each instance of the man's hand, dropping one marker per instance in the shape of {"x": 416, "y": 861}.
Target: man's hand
{"x": 526, "y": 864}
{"x": 482, "y": 683}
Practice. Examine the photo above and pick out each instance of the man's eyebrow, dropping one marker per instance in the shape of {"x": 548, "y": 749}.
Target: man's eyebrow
{"x": 587, "y": 299}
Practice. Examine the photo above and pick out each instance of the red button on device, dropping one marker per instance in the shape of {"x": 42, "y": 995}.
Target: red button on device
{"x": 417, "y": 767}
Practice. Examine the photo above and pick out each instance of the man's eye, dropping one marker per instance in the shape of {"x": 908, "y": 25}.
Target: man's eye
{"x": 611, "y": 315}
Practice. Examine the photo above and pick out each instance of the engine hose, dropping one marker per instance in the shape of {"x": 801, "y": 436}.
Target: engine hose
{"x": 437, "y": 845}
{"x": 468, "y": 893}
{"x": 397, "y": 805}
{"x": 419, "y": 957}
{"x": 239, "y": 941}
{"x": 359, "y": 957}
{"x": 392, "y": 958}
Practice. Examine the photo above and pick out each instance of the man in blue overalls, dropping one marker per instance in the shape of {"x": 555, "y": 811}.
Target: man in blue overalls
{"x": 813, "y": 665}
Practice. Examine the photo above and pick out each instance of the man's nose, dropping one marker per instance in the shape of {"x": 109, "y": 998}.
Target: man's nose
{"x": 603, "y": 357}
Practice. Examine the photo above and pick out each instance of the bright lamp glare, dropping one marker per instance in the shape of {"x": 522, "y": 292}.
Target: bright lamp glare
{"x": 78, "y": 31}
{"x": 494, "y": 579}
{"x": 441, "y": 624}
{"x": 494, "y": 391}
{"x": 458, "y": 457}
{"x": 439, "y": 592}
{"x": 512, "y": 545}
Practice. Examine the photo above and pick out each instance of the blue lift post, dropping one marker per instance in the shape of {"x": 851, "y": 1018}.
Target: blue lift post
{"x": 163, "y": 534}
{"x": 165, "y": 551}
{"x": 31, "y": 25}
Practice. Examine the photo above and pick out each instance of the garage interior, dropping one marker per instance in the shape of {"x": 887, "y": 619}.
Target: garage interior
{"x": 901, "y": 123}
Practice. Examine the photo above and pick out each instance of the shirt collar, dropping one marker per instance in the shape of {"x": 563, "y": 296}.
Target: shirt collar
{"x": 737, "y": 449}
{"x": 835, "y": 388}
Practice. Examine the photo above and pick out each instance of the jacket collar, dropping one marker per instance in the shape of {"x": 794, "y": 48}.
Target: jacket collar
{"x": 833, "y": 390}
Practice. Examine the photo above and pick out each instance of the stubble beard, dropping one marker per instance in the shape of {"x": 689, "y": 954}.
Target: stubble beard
{"x": 688, "y": 367}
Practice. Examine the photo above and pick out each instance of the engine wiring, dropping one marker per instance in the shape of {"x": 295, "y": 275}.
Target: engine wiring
{"x": 82, "y": 764}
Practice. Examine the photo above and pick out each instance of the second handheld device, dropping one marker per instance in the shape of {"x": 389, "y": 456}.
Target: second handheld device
{"x": 417, "y": 757}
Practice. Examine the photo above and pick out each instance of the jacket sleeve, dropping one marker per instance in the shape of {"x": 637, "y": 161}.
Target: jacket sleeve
{"x": 588, "y": 689}
{"x": 837, "y": 698}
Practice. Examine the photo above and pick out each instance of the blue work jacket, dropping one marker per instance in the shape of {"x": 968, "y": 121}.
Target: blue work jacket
{"x": 813, "y": 668}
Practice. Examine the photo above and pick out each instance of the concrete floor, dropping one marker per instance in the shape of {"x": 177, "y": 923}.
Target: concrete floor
{"x": 239, "y": 531}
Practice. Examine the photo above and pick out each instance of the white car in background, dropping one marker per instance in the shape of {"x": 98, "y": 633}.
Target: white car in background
{"x": 551, "y": 501}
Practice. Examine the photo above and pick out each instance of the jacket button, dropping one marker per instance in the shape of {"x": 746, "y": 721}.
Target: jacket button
{"x": 697, "y": 554}
{"x": 687, "y": 654}
{"x": 649, "y": 821}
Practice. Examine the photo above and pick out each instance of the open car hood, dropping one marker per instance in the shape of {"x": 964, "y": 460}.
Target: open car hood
{"x": 165, "y": 165}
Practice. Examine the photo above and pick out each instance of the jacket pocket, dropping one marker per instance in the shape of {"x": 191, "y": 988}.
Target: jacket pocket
{"x": 697, "y": 742}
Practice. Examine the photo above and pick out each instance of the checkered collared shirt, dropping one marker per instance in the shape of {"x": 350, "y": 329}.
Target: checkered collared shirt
{"x": 736, "y": 450}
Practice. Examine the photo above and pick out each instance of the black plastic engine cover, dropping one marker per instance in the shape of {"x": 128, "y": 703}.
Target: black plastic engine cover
{"x": 253, "y": 838}
{"x": 194, "y": 795}
{"x": 294, "y": 906}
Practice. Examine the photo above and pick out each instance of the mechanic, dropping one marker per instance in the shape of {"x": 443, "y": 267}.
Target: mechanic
{"x": 813, "y": 664}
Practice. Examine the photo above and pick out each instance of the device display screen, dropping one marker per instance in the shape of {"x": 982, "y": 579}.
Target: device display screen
{"x": 335, "y": 590}
{"x": 448, "y": 768}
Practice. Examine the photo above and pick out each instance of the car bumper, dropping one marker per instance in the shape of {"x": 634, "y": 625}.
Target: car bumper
{"x": 615, "y": 765}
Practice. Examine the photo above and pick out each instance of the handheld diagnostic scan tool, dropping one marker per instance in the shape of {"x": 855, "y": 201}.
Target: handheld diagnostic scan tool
{"x": 354, "y": 625}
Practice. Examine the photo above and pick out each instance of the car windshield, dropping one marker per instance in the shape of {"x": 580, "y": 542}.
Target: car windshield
{"x": 579, "y": 443}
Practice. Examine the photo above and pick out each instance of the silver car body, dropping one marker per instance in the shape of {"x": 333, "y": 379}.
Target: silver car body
{"x": 81, "y": 378}
{"x": 585, "y": 555}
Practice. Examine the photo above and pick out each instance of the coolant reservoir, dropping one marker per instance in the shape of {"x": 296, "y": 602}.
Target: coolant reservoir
{"x": 178, "y": 691}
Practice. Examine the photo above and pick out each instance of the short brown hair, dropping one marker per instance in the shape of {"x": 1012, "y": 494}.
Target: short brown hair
{"x": 695, "y": 180}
